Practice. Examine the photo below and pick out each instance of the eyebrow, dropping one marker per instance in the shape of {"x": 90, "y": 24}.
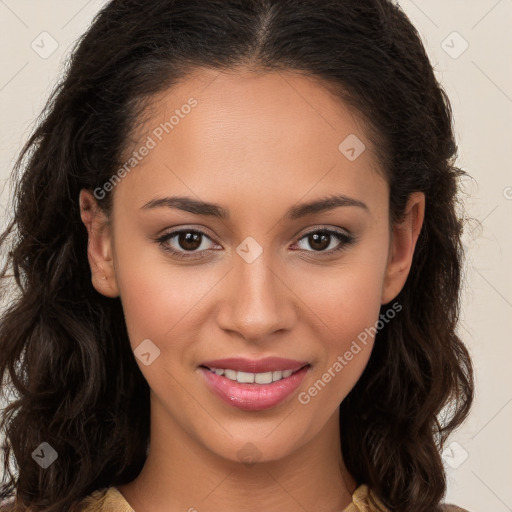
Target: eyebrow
{"x": 188, "y": 204}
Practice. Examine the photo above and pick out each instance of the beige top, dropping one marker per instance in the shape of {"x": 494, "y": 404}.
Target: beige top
{"x": 363, "y": 500}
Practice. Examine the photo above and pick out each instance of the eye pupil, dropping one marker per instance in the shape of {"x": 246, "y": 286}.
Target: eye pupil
{"x": 318, "y": 241}
{"x": 189, "y": 241}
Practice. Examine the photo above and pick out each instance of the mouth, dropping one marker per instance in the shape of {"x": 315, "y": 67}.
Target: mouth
{"x": 252, "y": 377}
{"x": 230, "y": 380}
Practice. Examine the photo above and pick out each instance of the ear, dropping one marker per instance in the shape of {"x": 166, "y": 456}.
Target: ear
{"x": 404, "y": 236}
{"x": 99, "y": 247}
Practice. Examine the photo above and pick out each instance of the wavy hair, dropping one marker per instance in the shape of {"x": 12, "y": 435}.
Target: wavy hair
{"x": 64, "y": 348}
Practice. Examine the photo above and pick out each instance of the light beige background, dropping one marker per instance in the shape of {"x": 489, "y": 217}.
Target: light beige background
{"x": 479, "y": 83}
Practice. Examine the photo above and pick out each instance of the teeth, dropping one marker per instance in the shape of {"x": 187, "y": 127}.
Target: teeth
{"x": 245, "y": 377}
{"x": 230, "y": 374}
{"x": 250, "y": 378}
{"x": 263, "y": 378}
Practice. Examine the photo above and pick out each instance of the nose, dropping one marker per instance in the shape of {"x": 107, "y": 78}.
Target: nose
{"x": 258, "y": 299}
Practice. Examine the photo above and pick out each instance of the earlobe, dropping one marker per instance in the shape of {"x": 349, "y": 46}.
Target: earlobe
{"x": 404, "y": 236}
{"x": 99, "y": 246}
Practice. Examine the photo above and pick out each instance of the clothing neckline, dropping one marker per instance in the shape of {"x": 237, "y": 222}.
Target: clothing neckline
{"x": 362, "y": 499}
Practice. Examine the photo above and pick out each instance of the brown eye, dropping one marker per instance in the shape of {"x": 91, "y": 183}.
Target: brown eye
{"x": 189, "y": 240}
{"x": 185, "y": 243}
{"x": 319, "y": 242}
{"x": 324, "y": 240}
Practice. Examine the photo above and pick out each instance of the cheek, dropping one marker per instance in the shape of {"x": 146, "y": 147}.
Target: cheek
{"x": 347, "y": 298}
{"x": 343, "y": 342}
{"x": 161, "y": 302}
{"x": 159, "y": 299}
{"x": 343, "y": 307}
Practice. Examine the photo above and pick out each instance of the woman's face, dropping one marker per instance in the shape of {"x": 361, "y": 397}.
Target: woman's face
{"x": 259, "y": 271}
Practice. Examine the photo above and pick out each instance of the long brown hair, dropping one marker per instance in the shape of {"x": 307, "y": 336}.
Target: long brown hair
{"x": 64, "y": 348}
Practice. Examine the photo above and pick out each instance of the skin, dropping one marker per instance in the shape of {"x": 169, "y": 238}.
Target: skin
{"x": 257, "y": 144}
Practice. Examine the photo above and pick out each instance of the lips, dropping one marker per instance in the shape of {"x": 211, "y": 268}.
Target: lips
{"x": 268, "y": 364}
{"x": 259, "y": 389}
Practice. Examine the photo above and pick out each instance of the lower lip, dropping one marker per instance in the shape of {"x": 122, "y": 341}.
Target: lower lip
{"x": 253, "y": 397}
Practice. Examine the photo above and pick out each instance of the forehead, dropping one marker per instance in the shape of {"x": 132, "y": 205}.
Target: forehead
{"x": 272, "y": 134}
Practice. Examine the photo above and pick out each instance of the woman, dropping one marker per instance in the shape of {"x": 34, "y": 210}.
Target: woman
{"x": 238, "y": 263}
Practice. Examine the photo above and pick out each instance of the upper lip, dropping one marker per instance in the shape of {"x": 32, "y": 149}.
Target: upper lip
{"x": 268, "y": 364}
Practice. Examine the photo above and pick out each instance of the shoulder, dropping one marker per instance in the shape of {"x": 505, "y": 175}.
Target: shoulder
{"x": 108, "y": 499}
{"x": 364, "y": 499}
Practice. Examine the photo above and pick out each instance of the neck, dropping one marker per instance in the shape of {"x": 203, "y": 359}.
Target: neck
{"x": 181, "y": 474}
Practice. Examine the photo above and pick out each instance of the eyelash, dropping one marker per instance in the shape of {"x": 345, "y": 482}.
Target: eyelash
{"x": 345, "y": 241}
